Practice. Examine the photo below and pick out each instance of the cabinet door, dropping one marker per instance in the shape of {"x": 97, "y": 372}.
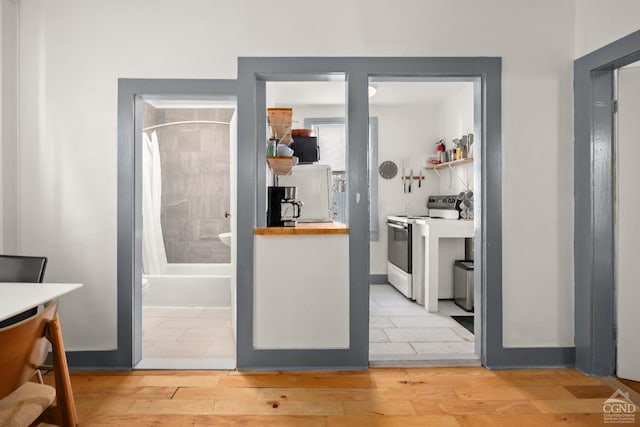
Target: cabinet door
{"x": 301, "y": 295}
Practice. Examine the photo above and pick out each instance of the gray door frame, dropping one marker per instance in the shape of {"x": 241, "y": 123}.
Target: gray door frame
{"x": 594, "y": 164}
{"x": 129, "y": 210}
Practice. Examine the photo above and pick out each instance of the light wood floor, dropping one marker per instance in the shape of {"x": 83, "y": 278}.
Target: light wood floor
{"x": 470, "y": 396}
{"x": 635, "y": 385}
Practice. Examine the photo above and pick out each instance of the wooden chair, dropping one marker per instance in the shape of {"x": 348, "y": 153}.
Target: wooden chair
{"x": 24, "y": 348}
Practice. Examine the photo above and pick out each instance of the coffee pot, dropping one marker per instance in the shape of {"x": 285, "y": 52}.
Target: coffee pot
{"x": 282, "y": 206}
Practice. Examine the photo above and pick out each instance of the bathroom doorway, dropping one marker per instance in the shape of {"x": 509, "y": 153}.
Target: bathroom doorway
{"x": 188, "y": 262}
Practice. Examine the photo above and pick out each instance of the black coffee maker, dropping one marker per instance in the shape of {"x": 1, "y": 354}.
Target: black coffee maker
{"x": 282, "y": 206}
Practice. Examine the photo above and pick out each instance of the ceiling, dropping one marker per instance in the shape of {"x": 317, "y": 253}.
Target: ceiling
{"x": 387, "y": 93}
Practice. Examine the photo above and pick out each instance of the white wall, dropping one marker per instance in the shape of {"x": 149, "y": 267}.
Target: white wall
{"x": 456, "y": 120}
{"x": 598, "y": 23}
{"x": 9, "y": 217}
{"x": 407, "y": 135}
{"x": 73, "y": 52}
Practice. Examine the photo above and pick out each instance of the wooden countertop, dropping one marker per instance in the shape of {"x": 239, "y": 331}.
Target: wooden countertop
{"x": 307, "y": 228}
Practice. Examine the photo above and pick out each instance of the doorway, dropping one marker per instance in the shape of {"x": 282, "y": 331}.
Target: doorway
{"x": 416, "y": 115}
{"x": 407, "y": 117}
{"x": 627, "y": 234}
{"x": 187, "y": 259}
{"x": 132, "y": 94}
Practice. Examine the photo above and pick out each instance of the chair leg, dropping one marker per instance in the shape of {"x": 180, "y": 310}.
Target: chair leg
{"x": 64, "y": 394}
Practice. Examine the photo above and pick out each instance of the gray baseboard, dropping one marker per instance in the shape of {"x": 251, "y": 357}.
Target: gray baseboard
{"x": 378, "y": 279}
{"x": 507, "y": 358}
{"x": 95, "y": 360}
{"x": 531, "y": 358}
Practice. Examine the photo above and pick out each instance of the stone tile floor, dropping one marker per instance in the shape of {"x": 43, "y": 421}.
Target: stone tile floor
{"x": 187, "y": 333}
{"x": 400, "y": 327}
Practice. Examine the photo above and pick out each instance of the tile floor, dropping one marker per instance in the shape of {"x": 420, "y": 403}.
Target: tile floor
{"x": 401, "y": 329}
{"x": 187, "y": 333}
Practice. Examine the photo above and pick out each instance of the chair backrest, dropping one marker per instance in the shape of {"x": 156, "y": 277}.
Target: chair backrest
{"x": 28, "y": 269}
{"x": 24, "y": 348}
{"x": 14, "y": 268}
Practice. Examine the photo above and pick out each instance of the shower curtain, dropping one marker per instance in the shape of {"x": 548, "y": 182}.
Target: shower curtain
{"x": 154, "y": 257}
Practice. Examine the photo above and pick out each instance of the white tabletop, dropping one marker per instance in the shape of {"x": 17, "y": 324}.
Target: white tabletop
{"x": 18, "y": 297}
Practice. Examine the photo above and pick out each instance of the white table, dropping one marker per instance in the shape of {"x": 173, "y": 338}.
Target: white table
{"x": 18, "y": 297}
{"x": 434, "y": 229}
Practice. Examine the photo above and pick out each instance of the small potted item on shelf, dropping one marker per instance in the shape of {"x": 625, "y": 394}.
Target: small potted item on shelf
{"x": 271, "y": 147}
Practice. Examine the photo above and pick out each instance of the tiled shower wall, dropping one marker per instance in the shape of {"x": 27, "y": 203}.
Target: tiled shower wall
{"x": 195, "y": 182}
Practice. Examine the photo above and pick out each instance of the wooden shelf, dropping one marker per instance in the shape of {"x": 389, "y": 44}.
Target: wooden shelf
{"x": 281, "y": 165}
{"x": 447, "y": 164}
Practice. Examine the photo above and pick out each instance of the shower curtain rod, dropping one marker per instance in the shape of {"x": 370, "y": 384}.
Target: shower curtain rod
{"x": 184, "y": 123}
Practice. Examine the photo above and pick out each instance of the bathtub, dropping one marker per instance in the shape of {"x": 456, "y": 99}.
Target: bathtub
{"x": 190, "y": 285}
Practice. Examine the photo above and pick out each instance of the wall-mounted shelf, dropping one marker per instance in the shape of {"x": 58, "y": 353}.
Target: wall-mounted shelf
{"x": 448, "y": 164}
{"x": 281, "y": 165}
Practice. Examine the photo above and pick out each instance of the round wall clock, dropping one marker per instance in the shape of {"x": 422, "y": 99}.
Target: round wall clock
{"x": 388, "y": 169}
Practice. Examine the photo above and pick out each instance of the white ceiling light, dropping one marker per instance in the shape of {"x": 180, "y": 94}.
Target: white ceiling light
{"x": 372, "y": 91}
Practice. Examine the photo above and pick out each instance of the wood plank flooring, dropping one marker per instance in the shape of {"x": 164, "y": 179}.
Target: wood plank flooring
{"x": 465, "y": 396}
{"x": 635, "y": 385}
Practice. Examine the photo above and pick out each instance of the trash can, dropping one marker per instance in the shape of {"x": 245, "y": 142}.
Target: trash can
{"x": 463, "y": 284}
